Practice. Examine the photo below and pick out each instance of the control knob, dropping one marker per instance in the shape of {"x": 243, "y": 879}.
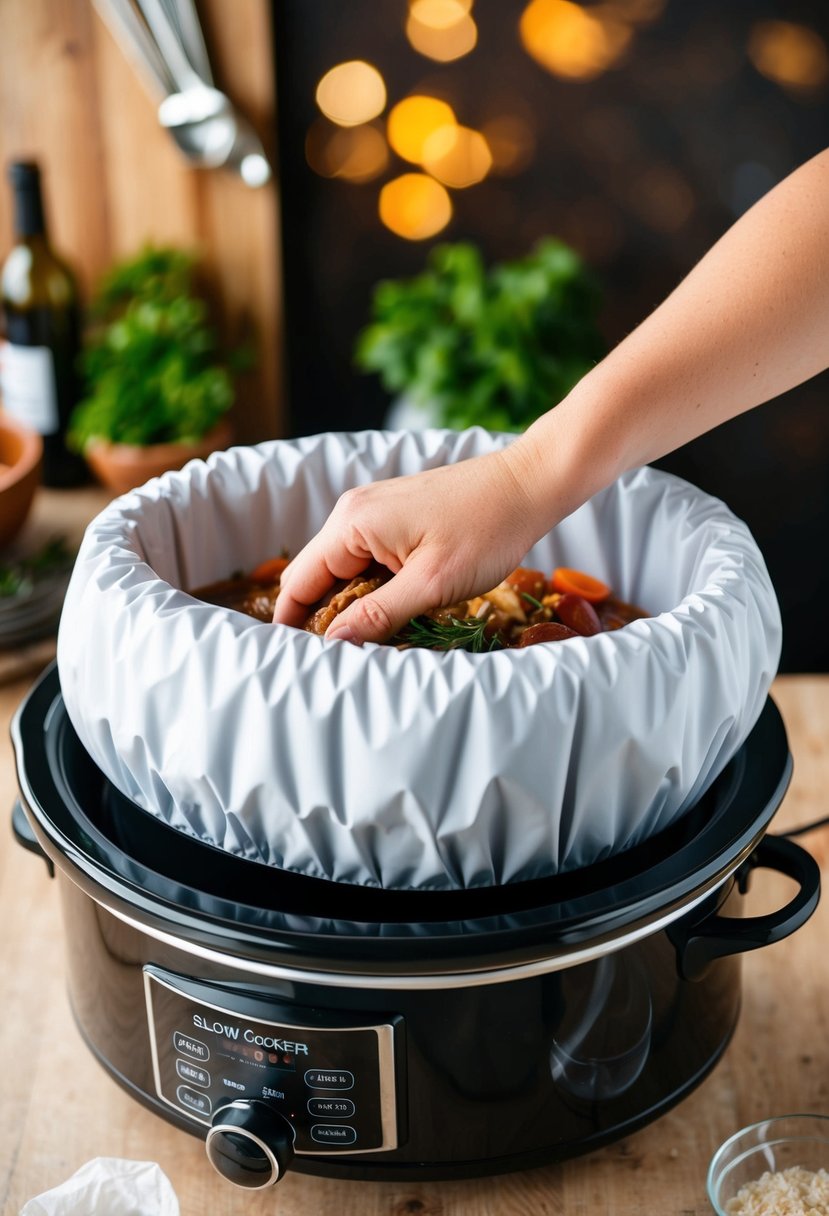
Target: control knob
{"x": 250, "y": 1143}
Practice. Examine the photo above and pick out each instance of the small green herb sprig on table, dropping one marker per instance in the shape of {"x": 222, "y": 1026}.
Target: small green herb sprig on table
{"x": 468, "y": 633}
{"x": 18, "y": 577}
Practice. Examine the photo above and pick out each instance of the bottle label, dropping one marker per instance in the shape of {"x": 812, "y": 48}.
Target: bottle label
{"x": 27, "y": 384}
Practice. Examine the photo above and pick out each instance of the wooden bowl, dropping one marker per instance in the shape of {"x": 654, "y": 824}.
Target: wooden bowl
{"x": 21, "y": 453}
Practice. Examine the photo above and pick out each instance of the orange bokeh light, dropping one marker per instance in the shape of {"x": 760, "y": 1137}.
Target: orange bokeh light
{"x": 573, "y": 42}
{"x": 791, "y": 55}
{"x": 442, "y": 43}
{"x": 352, "y": 93}
{"x": 413, "y": 120}
{"x": 415, "y": 206}
{"x": 457, "y": 156}
{"x": 439, "y": 14}
{"x": 356, "y": 154}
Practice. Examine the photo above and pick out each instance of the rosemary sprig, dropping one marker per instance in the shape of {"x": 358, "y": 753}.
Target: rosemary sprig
{"x": 525, "y": 595}
{"x": 458, "y": 633}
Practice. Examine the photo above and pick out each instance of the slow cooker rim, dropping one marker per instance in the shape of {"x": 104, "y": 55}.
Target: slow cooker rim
{"x": 498, "y": 972}
{"x": 377, "y": 973}
{"x": 500, "y": 949}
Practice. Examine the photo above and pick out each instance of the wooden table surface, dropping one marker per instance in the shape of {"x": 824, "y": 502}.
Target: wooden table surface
{"x": 58, "y": 1108}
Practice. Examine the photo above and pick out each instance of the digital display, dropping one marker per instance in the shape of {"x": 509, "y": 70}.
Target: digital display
{"x": 285, "y": 1061}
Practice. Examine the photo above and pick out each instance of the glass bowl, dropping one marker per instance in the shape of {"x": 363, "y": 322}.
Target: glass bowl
{"x": 773, "y": 1145}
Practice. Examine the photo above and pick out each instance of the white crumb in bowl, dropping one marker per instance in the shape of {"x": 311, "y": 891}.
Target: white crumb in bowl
{"x": 791, "y": 1192}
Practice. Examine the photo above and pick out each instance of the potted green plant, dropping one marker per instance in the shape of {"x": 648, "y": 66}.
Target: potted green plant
{"x": 463, "y": 346}
{"x": 157, "y": 391}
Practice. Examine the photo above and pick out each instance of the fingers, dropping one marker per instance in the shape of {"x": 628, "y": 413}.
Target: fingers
{"x": 411, "y": 526}
{"x": 291, "y": 607}
{"x": 310, "y": 576}
{"x": 346, "y": 544}
{"x": 380, "y": 615}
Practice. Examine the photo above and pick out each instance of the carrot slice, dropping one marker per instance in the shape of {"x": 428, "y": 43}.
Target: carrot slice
{"x": 269, "y": 571}
{"x": 575, "y": 582}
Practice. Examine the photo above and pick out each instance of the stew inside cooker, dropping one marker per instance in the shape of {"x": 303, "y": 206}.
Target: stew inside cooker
{"x": 528, "y": 607}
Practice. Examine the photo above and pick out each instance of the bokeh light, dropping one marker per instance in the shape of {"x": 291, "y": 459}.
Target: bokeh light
{"x": 430, "y": 34}
{"x": 791, "y": 55}
{"x": 413, "y": 120}
{"x": 352, "y": 93}
{"x": 439, "y": 14}
{"x": 355, "y": 154}
{"x": 415, "y": 206}
{"x": 573, "y": 42}
{"x": 457, "y": 156}
{"x": 511, "y": 142}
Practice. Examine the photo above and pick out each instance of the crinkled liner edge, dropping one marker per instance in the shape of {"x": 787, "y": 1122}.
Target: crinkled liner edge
{"x": 307, "y": 650}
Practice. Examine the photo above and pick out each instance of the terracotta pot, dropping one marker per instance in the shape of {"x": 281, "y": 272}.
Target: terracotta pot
{"x": 21, "y": 452}
{"x": 123, "y": 466}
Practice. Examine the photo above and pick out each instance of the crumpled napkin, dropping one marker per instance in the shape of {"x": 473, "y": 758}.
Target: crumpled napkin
{"x": 109, "y": 1186}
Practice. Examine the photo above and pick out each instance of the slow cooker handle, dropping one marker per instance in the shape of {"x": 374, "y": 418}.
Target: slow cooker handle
{"x": 699, "y": 943}
{"x": 25, "y": 837}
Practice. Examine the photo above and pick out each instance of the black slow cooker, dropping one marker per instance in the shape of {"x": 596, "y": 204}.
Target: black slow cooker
{"x": 361, "y": 1033}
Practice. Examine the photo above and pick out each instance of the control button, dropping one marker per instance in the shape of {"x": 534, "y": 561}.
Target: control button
{"x": 331, "y": 1108}
{"x": 333, "y": 1133}
{"x": 185, "y": 1046}
{"x": 334, "y": 1078}
{"x": 192, "y": 1072}
{"x": 197, "y": 1102}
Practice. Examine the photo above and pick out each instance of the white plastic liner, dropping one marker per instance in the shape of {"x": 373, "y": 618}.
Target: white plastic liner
{"x": 410, "y": 769}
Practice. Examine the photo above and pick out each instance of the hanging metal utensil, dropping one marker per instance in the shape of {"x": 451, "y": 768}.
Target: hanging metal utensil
{"x": 188, "y": 29}
{"x": 163, "y": 40}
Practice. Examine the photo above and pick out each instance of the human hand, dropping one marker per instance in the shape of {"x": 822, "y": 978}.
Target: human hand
{"x": 446, "y": 534}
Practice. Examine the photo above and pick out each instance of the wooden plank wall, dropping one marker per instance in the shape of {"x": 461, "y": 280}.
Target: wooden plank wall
{"x": 113, "y": 178}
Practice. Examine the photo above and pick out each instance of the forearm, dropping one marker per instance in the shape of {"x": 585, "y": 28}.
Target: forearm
{"x": 750, "y": 321}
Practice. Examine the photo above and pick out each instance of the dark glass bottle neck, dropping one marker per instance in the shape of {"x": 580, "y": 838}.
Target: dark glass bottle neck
{"x": 29, "y": 219}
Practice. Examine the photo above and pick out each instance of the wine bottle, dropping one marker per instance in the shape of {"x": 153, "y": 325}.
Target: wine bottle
{"x": 39, "y": 375}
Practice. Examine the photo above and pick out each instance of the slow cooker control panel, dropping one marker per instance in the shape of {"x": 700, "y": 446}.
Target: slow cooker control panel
{"x": 333, "y": 1080}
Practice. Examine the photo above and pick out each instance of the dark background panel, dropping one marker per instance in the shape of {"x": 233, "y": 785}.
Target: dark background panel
{"x": 641, "y": 169}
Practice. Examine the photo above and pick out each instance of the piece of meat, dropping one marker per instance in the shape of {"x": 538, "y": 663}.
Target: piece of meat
{"x": 546, "y": 631}
{"x": 338, "y": 601}
{"x": 242, "y": 595}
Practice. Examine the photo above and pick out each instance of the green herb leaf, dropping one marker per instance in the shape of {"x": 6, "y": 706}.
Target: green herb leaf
{"x": 525, "y": 595}
{"x": 490, "y": 348}
{"x": 457, "y": 633}
{"x": 151, "y": 363}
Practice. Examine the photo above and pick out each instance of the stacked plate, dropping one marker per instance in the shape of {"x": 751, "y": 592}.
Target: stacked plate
{"x": 33, "y": 613}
